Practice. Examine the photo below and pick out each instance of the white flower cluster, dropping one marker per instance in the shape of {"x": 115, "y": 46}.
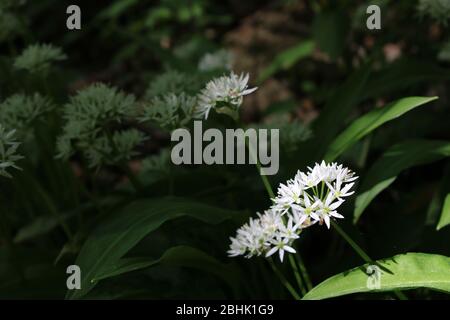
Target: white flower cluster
{"x": 224, "y": 93}
{"x": 264, "y": 235}
{"x": 306, "y": 199}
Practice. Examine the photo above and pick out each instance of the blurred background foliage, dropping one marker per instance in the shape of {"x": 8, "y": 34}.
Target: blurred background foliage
{"x": 87, "y": 155}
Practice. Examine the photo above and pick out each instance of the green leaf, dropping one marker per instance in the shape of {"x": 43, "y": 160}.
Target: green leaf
{"x": 180, "y": 256}
{"x": 445, "y": 215}
{"x": 370, "y": 121}
{"x": 398, "y": 158}
{"x": 115, "y": 238}
{"x": 401, "y": 272}
{"x": 288, "y": 58}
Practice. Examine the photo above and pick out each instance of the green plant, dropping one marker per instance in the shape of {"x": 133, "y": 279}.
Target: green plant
{"x": 98, "y": 187}
{"x": 38, "y": 58}
{"x": 8, "y": 152}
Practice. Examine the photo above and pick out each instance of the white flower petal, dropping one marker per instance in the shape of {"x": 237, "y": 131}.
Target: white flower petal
{"x": 326, "y": 218}
{"x": 336, "y": 215}
{"x": 281, "y": 251}
{"x": 271, "y": 252}
{"x": 289, "y": 249}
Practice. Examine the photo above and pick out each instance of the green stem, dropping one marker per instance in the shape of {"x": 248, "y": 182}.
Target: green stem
{"x": 322, "y": 190}
{"x": 352, "y": 243}
{"x": 258, "y": 166}
{"x": 266, "y": 183}
{"x": 272, "y": 195}
{"x": 297, "y": 274}
{"x": 284, "y": 281}
{"x": 362, "y": 254}
{"x": 304, "y": 271}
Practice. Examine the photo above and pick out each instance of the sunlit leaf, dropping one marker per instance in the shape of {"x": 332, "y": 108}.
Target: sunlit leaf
{"x": 372, "y": 120}
{"x": 401, "y": 272}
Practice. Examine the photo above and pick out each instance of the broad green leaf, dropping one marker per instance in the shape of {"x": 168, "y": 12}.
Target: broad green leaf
{"x": 445, "y": 215}
{"x": 111, "y": 241}
{"x": 398, "y": 158}
{"x": 287, "y": 59}
{"x": 180, "y": 256}
{"x": 370, "y": 121}
{"x": 401, "y": 272}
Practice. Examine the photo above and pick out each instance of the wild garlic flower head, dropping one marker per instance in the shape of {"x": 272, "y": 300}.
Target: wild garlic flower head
{"x": 315, "y": 195}
{"x": 39, "y": 57}
{"x": 8, "y": 151}
{"x": 225, "y": 94}
{"x": 219, "y": 60}
{"x": 309, "y": 198}
{"x": 264, "y": 236}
